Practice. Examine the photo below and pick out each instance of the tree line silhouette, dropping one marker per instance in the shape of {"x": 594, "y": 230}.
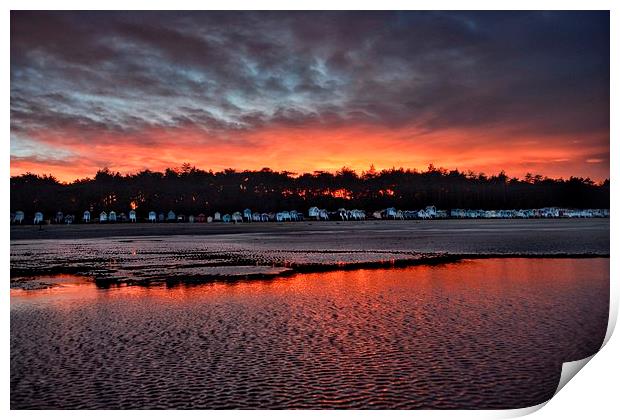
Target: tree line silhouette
{"x": 190, "y": 190}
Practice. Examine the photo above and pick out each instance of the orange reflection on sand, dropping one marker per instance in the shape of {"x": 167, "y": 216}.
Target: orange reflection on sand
{"x": 476, "y": 281}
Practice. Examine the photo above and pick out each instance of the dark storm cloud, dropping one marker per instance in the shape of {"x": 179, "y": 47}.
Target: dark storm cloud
{"x": 540, "y": 72}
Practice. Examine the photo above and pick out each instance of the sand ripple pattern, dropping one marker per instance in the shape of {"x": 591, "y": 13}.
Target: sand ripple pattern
{"x": 477, "y": 334}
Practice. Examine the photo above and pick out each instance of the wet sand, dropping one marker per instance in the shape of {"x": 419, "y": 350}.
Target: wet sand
{"x": 570, "y": 236}
{"x": 143, "y": 253}
{"x": 476, "y": 334}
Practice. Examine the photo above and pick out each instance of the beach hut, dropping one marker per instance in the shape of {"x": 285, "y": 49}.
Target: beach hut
{"x": 68, "y": 219}
{"x": 201, "y": 218}
{"x": 161, "y": 217}
{"x": 181, "y": 218}
{"x": 19, "y": 217}
{"x": 264, "y": 217}
{"x": 256, "y": 217}
{"x": 38, "y": 218}
{"x": 283, "y": 216}
{"x": 171, "y": 216}
{"x": 112, "y": 216}
{"x": 323, "y": 215}
{"x": 209, "y": 219}
{"x": 390, "y": 213}
{"x": 355, "y": 215}
{"x": 217, "y": 216}
{"x": 431, "y": 211}
{"x": 236, "y": 217}
{"x": 132, "y": 216}
{"x": 59, "y": 217}
{"x": 152, "y": 217}
{"x": 122, "y": 217}
{"x": 103, "y": 217}
{"x": 86, "y": 217}
{"x": 247, "y": 215}
{"x": 191, "y": 218}
{"x": 226, "y": 218}
{"x": 314, "y": 213}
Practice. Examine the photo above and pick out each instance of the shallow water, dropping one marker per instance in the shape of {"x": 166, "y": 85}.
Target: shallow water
{"x": 477, "y": 334}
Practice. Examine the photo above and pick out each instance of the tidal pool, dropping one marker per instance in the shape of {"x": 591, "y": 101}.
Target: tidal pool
{"x": 488, "y": 333}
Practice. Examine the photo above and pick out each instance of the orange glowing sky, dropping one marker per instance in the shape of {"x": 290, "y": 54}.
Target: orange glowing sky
{"x": 473, "y": 91}
{"x": 309, "y": 149}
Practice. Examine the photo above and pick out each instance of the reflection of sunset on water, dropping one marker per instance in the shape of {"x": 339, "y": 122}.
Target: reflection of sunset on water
{"x": 488, "y": 333}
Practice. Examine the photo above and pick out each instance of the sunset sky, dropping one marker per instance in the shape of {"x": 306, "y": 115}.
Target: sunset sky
{"x": 304, "y": 91}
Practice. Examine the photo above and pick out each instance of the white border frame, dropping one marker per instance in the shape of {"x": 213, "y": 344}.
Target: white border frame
{"x": 592, "y": 394}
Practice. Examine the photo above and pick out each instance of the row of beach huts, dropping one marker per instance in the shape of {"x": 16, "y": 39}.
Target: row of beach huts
{"x": 314, "y": 213}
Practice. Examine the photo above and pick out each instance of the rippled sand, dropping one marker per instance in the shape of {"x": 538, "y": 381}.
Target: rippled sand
{"x": 477, "y": 334}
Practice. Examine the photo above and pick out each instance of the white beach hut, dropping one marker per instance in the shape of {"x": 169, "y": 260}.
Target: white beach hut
{"x": 132, "y": 216}
{"x": 69, "y": 218}
{"x": 112, "y": 216}
{"x": 38, "y": 218}
{"x": 390, "y": 213}
{"x": 86, "y": 217}
{"x": 313, "y": 213}
{"x": 171, "y": 216}
{"x": 59, "y": 217}
{"x": 247, "y": 215}
{"x": 191, "y": 218}
{"x": 152, "y": 217}
{"x": 19, "y": 217}
{"x": 256, "y": 217}
{"x": 236, "y": 217}
{"x": 103, "y": 217}
{"x": 217, "y": 216}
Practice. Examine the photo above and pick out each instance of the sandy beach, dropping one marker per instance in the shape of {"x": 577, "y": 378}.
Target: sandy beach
{"x": 146, "y": 253}
{"x": 576, "y": 236}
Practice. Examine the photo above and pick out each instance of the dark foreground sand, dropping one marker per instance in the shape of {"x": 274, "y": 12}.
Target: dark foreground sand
{"x": 145, "y": 253}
